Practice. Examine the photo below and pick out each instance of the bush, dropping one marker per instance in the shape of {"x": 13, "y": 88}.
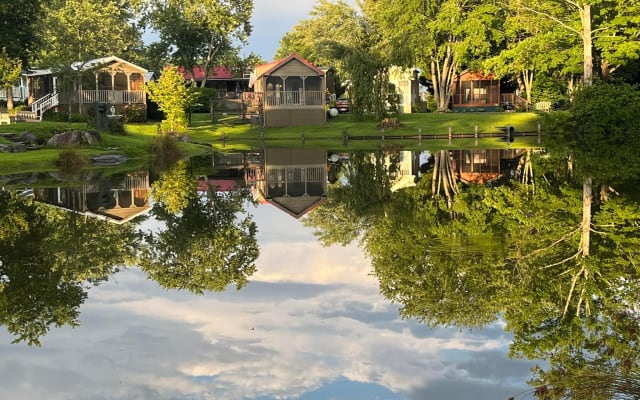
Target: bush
{"x": 70, "y": 159}
{"x": 134, "y": 113}
{"x": 166, "y": 151}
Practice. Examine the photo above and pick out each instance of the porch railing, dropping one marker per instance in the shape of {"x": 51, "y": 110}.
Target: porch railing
{"x": 293, "y": 98}
{"x": 106, "y": 96}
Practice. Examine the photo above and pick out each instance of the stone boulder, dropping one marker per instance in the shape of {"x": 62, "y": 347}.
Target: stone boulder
{"x": 72, "y": 138}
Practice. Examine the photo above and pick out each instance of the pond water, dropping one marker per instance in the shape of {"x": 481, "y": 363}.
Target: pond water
{"x": 253, "y": 275}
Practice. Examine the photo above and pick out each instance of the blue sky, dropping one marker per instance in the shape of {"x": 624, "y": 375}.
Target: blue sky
{"x": 311, "y": 324}
{"x": 272, "y": 19}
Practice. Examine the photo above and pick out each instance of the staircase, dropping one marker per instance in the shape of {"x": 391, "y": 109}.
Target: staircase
{"x": 41, "y": 105}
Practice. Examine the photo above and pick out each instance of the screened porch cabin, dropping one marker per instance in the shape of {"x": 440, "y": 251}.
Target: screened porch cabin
{"x": 475, "y": 91}
{"x": 290, "y": 92}
{"x": 104, "y": 80}
{"x": 228, "y": 84}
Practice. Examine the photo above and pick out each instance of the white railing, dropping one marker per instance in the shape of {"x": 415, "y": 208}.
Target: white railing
{"x": 293, "y": 98}
{"x": 44, "y": 103}
{"x": 19, "y": 93}
{"x": 106, "y": 96}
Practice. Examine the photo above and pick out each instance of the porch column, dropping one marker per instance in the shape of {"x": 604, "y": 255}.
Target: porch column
{"x": 97, "y": 75}
{"x": 303, "y": 99}
{"x": 284, "y": 89}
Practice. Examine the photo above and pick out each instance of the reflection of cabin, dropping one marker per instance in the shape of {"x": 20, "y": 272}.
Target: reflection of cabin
{"x": 288, "y": 92}
{"x": 232, "y": 171}
{"x": 295, "y": 180}
{"x": 483, "y": 165}
{"x": 104, "y": 80}
{"x": 114, "y": 200}
{"x": 226, "y": 84}
{"x": 475, "y": 91}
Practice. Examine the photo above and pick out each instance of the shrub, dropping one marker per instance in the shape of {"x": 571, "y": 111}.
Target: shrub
{"x": 134, "y": 113}
{"x": 70, "y": 159}
{"x": 166, "y": 151}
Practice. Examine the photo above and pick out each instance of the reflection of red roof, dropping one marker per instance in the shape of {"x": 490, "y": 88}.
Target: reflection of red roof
{"x": 222, "y": 185}
{"x": 216, "y": 73}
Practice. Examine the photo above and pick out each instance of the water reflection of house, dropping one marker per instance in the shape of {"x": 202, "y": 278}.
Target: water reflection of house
{"x": 295, "y": 180}
{"x": 484, "y": 165}
{"x": 232, "y": 171}
{"x": 115, "y": 199}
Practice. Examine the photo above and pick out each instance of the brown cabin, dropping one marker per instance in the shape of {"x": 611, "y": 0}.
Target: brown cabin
{"x": 476, "y": 91}
{"x": 288, "y": 92}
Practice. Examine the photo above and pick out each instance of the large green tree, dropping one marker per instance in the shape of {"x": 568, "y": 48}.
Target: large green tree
{"x": 18, "y": 33}
{"x": 441, "y": 37}
{"x": 608, "y": 27}
{"x": 201, "y": 33}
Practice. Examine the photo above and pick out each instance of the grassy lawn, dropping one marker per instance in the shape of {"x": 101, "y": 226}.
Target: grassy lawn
{"x": 230, "y": 134}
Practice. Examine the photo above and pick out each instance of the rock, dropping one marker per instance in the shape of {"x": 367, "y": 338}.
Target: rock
{"x": 29, "y": 137}
{"x": 109, "y": 159}
{"x": 74, "y": 138}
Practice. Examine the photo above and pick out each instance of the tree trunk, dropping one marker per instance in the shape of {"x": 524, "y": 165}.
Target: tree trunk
{"x": 442, "y": 71}
{"x": 587, "y": 198}
{"x": 585, "y": 18}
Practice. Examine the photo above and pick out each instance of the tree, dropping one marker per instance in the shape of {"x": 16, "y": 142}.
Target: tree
{"x": 10, "y": 70}
{"x": 205, "y": 248}
{"x": 18, "y": 31}
{"x": 201, "y": 32}
{"x": 440, "y": 36}
{"x": 173, "y": 98}
{"x": 48, "y": 260}
{"x": 78, "y": 31}
{"x": 609, "y": 26}
{"x": 600, "y": 135}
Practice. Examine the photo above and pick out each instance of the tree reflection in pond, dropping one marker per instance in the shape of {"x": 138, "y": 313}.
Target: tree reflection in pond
{"x": 48, "y": 260}
{"x": 206, "y": 246}
{"x": 504, "y": 252}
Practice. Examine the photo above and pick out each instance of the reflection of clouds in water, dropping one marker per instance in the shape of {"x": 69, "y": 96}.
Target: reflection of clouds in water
{"x": 235, "y": 346}
{"x": 309, "y": 318}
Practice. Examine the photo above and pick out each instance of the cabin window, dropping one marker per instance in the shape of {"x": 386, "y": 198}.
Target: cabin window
{"x": 137, "y": 82}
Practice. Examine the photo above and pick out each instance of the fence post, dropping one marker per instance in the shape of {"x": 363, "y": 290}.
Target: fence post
{"x": 475, "y": 134}
{"x": 450, "y": 136}
{"x": 419, "y": 135}
{"x": 539, "y": 133}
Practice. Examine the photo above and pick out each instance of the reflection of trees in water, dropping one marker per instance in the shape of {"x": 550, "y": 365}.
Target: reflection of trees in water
{"x": 508, "y": 252}
{"x": 47, "y": 259}
{"x": 207, "y": 246}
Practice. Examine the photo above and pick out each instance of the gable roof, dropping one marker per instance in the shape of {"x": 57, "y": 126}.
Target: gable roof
{"x": 103, "y": 62}
{"x": 268, "y": 68}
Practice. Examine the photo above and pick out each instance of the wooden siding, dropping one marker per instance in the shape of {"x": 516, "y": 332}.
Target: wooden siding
{"x": 294, "y": 68}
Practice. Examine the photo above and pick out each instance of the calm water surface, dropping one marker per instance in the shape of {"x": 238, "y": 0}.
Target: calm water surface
{"x": 310, "y": 324}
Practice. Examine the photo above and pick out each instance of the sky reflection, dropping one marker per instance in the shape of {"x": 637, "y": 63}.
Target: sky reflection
{"x": 311, "y": 324}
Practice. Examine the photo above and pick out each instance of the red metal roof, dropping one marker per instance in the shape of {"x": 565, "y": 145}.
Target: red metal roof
{"x": 216, "y": 73}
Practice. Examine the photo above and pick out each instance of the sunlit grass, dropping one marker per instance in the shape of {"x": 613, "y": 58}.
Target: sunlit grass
{"x": 229, "y": 133}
